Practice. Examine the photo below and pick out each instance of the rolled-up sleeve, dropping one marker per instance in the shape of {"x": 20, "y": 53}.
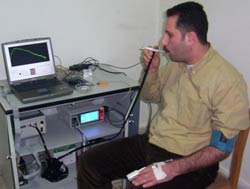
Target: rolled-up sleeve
{"x": 154, "y": 83}
{"x": 231, "y": 107}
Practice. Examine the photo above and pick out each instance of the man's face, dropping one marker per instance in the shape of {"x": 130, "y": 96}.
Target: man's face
{"x": 173, "y": 41}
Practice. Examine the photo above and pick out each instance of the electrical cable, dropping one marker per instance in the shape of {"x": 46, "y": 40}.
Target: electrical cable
{"x": 92, "y": 63}
{"x": 135, "y": 98}
{"x": 59, "y": 59}
{"x": 54, "y": 170}
{"x": 43, "y": 141}
{"x": 133, "y": 102}
{"x": 149, "y": 118}
{"x": 121, "y": 67}
{"x": 115, "y": 123}
{"x": 150, "y": 114}
{"x": 85, "y": 140}
{"x": 108, "y": 71}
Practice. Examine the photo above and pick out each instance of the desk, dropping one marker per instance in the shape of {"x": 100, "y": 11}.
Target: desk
{"x": 117, "y": 95}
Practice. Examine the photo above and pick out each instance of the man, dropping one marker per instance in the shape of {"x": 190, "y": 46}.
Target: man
{"x": 203, "y": 104}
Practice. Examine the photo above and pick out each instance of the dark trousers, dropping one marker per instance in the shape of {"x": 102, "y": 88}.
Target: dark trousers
{"x": 98, "y": 166}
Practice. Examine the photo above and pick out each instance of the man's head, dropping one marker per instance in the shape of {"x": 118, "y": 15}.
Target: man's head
{"x": 191, "y": 17}
{"x": 186, "y": 29}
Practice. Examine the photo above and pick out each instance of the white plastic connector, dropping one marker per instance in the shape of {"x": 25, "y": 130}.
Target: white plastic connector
{"x": 153, "y": 49}
{"x": 131, "y": 176}
{"x": 158, "y": 172}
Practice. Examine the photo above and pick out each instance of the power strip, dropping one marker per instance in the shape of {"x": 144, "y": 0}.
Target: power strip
{"x": 30, "y": 120}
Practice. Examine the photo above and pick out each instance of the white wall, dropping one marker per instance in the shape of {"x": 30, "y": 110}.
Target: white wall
{"x": 111, "y": 31}
{"x": 229, "y": 30}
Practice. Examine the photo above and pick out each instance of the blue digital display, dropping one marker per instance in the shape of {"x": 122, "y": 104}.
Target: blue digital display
{"x": 89, "y": 117}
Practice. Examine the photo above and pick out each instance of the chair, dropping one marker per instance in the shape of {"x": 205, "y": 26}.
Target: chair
{"x": 231, "y": 182}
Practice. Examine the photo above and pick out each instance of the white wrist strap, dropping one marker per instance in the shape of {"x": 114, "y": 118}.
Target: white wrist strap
{"x": 158, "y": 172}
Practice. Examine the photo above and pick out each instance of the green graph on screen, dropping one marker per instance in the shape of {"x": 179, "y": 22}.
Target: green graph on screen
{"x": 27, "y": 51}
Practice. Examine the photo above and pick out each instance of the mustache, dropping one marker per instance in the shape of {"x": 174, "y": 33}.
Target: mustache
{"x": 165, "y": 49}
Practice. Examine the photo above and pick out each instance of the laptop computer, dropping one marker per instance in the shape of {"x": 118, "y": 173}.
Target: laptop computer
{"x": 30, "y": 70}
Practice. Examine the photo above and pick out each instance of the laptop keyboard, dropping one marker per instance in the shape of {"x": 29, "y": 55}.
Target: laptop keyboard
{"x": 38, "y": 84}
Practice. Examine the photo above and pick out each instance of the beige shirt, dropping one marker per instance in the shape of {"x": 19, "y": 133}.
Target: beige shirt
{"x": 211, "y": 95}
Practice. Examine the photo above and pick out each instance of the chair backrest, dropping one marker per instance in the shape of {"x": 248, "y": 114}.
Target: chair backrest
{"x": 235, "y": 166}
{"x": 232, "y": 181}
{"x": 237, "y": 157}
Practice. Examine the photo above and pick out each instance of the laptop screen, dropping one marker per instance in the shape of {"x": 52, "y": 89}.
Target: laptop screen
{"x": 28, "y": 60}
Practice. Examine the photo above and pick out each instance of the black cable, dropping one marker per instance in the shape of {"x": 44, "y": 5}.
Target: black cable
{"x": 115, "y": 123}
{"x": 87, "y": 63}
{"x": 128, "y": 113}
{"x": 92, "y": 63}
{"x": 55, "y": 170}
{"x": 43, "y": 141}
{"x": 112, "y": 72}
{"x": 134, "y": 99}
{"x": 128, "y": 67}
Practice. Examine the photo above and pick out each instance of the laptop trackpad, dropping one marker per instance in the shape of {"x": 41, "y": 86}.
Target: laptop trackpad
{"x": 43, "y": 91}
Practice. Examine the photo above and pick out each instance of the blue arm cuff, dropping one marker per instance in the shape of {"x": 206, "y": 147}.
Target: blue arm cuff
{"x": 219, "y": 141}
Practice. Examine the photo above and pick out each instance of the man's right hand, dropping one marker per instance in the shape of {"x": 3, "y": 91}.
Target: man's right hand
{"x": 147, "y": 55}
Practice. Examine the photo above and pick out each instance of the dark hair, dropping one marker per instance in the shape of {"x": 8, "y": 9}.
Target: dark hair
{"x": 191, "y": 17}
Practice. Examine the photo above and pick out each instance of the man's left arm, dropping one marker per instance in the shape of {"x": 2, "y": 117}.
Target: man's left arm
{"x": 202, "y": 158}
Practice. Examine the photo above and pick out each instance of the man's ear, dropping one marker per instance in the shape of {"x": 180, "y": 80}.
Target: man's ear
{"x": 191, "y": 37}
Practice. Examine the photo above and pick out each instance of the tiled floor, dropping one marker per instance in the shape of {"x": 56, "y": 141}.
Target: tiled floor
{"x": 117, "y": 184}
{"x": 2, "y": 186}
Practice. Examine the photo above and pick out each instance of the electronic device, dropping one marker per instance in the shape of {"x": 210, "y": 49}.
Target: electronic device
{"x": 28, "y": 168}
{"x": 79, "y": 115}
{"x": 26, "y": 59}
{"x": 79, "y": 67}
{"x": 30, "y": 70}
{"x": 54, "y": 170}
{"x": 76, "y": 79}
{"x": 29, "y": 120}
